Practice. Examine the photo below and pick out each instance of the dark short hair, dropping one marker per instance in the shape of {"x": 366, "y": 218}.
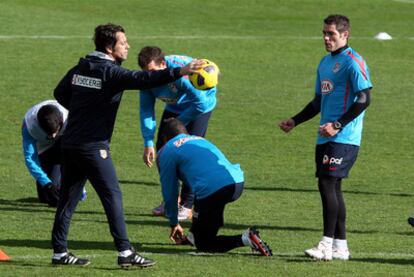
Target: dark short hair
{"x": 148, "y": 54}
{"x": 341, "y": 21}
{"x": 105, "y": 36}
{"x": 50, "y": 119}
{"x": 172, "y": 128}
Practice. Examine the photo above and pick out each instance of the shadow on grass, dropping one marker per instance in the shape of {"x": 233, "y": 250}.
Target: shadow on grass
{"x": 315, "y": 190}
{"x": 30, "y": 205}
{"x": 15, "y": 263}
{"x": 25, "y": 202}
{"x": 128, "y": 182}
{"x": 406, "y": 234}
{"x": 392, "y": 261}
{"x": 242, "y": 227}
{"x": 233, "y": 226}
{"x": 161, "y": 248}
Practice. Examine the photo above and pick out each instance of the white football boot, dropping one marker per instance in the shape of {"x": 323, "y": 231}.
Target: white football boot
{"x": 340, "y": 254}
{"x": 321, "y": 252}
{"x": 184, "y": 213}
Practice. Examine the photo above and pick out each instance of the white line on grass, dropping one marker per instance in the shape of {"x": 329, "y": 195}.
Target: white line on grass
{"x": 405, "y": 1}
{"x": 384, "y": 255}
{"x": 221, "y": 37}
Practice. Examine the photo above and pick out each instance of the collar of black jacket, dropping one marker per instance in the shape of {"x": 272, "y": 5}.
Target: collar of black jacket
{"x": 101, "y": 55}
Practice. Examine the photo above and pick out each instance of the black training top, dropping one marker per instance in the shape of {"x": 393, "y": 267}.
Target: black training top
{"x": 92, "y": 91}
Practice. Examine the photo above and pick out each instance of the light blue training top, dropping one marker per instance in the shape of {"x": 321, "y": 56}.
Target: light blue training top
{"x": 198, "y": 163}
{"x": 35, "y": 140}
{"x": 339, "y": 78}
{"x": 180, "y": 97}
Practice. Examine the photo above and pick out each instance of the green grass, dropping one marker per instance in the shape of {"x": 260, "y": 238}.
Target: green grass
{"x": 268, "y": 52}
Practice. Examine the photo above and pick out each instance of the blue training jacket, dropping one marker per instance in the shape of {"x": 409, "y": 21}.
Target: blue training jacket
{"x": 180, "y": 97}
{"x": 198, "y": 163}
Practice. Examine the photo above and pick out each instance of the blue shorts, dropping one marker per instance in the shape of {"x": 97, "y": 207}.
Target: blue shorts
{"x": 335, "y": 159}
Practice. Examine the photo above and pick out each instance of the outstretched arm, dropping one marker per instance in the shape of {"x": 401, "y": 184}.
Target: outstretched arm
{"x": 310, "y": 110}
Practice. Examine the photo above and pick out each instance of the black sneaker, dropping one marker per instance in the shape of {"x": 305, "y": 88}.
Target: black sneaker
{"x": 257, "y": 243}
{"x": 411, "y": 221}
{"x": 134, "y": 260}
{"x": 70, "y": 259}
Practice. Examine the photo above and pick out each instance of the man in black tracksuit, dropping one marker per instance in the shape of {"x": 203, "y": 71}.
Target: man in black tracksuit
{"x": 92, "y": 92}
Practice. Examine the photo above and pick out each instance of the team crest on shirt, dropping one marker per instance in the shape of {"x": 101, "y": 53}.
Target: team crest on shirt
{"x": 103, "y": 153}
{"x": 173, "y": 88}
{"x": 336, "y": 67}
{"x": 327, "y": 86}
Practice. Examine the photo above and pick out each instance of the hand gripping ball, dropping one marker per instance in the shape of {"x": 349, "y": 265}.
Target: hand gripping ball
{"x": 206, "y": 77}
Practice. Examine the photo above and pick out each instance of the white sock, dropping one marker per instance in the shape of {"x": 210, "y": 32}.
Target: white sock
{"x": 125, "y": 253}
{"x": 57, "y": 256}
{"x": 340, "y": 243}
{"x": 327, "y": 240}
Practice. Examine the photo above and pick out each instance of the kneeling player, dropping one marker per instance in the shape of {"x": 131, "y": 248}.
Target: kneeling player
{"x": 214, "y": 181}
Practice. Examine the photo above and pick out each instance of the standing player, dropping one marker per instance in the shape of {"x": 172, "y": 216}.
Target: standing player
{"x": 342, "y": 93}
{"x": 92, "y": 92}
{"x": 191, "y": 106}
{"x": 214, "y": 181}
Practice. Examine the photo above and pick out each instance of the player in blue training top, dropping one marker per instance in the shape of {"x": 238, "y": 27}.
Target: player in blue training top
{"x": 191, "y": 106}
{"x": 214, "y": 181}
{"x": 342, "y": 93}
{"x": 42, "y": 128}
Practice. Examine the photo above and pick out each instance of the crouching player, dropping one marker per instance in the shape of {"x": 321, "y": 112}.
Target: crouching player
{"x": 42, "y": 128}
{"x": 43, "y": 125}
{"x": 214, "y": 181}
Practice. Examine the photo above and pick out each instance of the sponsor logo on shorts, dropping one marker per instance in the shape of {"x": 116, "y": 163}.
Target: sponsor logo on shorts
{"x": 332, "y": 160}
{"x": 327, "y": 86}
{"x": 87, "y": 82}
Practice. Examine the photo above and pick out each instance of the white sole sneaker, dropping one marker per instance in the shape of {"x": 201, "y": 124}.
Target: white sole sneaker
{"x": 321, "y": 252}
{"x": 184, "y": 213}
{"x": 339, "y": 254}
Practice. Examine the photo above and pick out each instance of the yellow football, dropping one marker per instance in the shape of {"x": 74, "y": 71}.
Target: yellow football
{"x": 206, "y": 77}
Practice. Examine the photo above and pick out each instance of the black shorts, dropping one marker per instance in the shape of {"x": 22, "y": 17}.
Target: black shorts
{"x": 208, "y": 213}
{"x": 335, "y": 159}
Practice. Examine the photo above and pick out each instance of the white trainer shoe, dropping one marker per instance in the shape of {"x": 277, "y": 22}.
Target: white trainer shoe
{"x": 321, "y": 252}
{"x": 340, "y": 254}
{"x": 184, "y": 213}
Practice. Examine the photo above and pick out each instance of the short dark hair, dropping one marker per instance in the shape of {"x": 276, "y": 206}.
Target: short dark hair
{"x": 148, "y": 54}
{"x": 172, "y": 128}
{"x": 105, "y": 36}
{"x": 50, "y": 119}
{"x": 341, "y": 21}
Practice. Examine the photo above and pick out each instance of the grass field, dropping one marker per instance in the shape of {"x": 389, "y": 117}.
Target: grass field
{"x": 268, "y": 52}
